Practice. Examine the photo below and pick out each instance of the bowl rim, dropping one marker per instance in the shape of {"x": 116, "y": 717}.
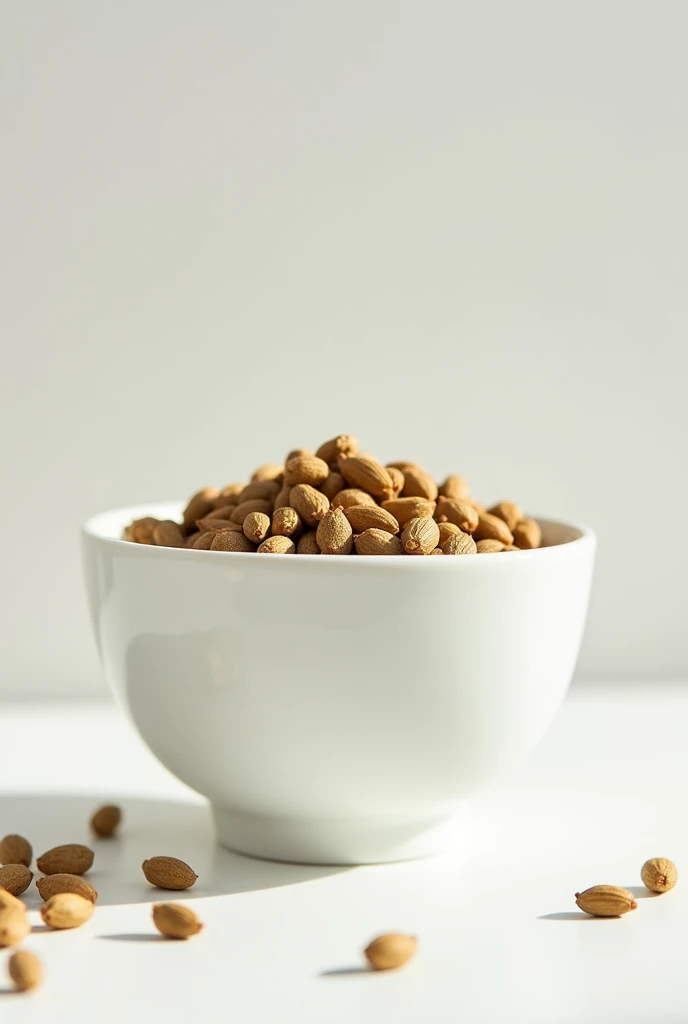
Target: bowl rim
{"x": 95, "y": 529}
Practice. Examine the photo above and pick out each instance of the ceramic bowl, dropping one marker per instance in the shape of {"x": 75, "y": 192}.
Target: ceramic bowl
{"x": 336, "y": 709}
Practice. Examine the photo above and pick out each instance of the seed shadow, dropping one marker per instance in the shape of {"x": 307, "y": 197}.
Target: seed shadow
{"x": 41, "y": 929}
{"x": 641, "y": 892}
{"x": 569, "y": 915}
{"x": 341, "y": 971}
{"x": 149, "y": 828}
{"x": 133, "y": 937}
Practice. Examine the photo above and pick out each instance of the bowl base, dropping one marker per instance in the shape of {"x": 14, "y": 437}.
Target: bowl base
{"x": 335, "y": 842}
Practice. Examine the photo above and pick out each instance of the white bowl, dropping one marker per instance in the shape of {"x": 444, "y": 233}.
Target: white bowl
{"x": 336, "y": 709}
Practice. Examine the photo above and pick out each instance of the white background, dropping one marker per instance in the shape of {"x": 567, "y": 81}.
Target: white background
{"x": 456, "y": 229}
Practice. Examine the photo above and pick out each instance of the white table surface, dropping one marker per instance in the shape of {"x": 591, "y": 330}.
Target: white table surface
{"x": 500, "y": 938}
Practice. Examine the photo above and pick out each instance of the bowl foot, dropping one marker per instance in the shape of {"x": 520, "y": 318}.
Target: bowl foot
{"x": 334, "y": 841}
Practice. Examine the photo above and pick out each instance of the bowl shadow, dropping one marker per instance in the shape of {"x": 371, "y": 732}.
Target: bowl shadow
{"x": 150, "y": 827}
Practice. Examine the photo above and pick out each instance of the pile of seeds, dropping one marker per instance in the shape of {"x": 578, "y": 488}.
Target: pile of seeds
{"x": 339, "y": 501}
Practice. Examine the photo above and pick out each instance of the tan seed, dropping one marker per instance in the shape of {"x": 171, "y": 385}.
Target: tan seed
{"x": 420, "y": 536}
{"x": 231, "y": 540}
{"x": 368, "y": 475}
{"x": 285, "y": 522}
{"x": 377, "y": 542}
{"x": 223, "y": 513}
{"x": 419, "y": 484}
{"x": 350, "y": 496}
{"x": 342, "y": 446}
{"x": 8, "y": 901}
{"x": 105, "y": 820}
{"x": 297, "y": 453}
{"x": 446, "y": 531}
{"x": 309, "y": 503}
{"x": 492, "y": 528}
{"x": 141, "y": 530}
{"x": 277, "y": 546}
{"x": 256, "y": 526}
{"x": 200, "y": 505}
{"x": 169, "y": 873}
{"x": 282, "y": 499}
{"x": 270, "y": 471}
{"x": 459, "y": 544}
{"x": 203, "y": 541}
{"x": 454, "y": 487}
{"x": 15, "y": 850}
{"x": 659, "y": 874}
{"x": 489, "y": 547}
{"x": 175, "y": 921}
{"x": 229, "y": 495}
{"x": 605, "y": 901}
{"x": 14, "y": 924}
{"x": 168, "y": 534}
{"x": 333, "y": 485}
{"x": 71, "y": 859}
{"x": 527, "y": 534}
{"x": 459, "y": 512}
{"x": 508, "y": 511}
{"x": 253, "y": 505}
{"x": 51, "y": 885}
{"x": 66, "y": 910}
{"x": 15, "y": 878}
{"x": 371, "y": 517}
{"x": 390, "y": 951}
{"x": 308, "y": 544}
{"x": 25, "y": 970}
{"x": 334, "y": 534}
{"x": 306, "y": 469}
{"x": 403, "y": 466}
{"x": 266, "y": 489}
{"x": 405, "y": 509}
{"x": 218, "y": 525}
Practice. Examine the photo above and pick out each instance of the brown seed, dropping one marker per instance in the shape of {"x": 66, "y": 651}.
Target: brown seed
{"x": 489, "y": 547}
{"x": 200, "y": 505}
{"x": 71, "y": 859}
{"x": 229, "y": 495}
{"x": 168, "y": 873}
{"x": 306, "y": 469}
{"x": 342, "y": 446}
{"x": 15, "y": 878}
{"x": 168, "y": 534}
{"x": 368, "y": 475}
{"x": 459, "y": 512}
{"x": 25, "y": 970}
{"x": 222, "y": 514}
{"x": 371, "y": 517}
{"x": 397, "y": 479}
{"x": 508, "y": 511}
{"x": 218, "y": 525}
{"x": 252, "y": 505}
{"x": 15, "y": 850}
{"x": 266, "y": 489}
{"x": 270, "y": 471}
{"x": 309, "y": 503}
{"x": 454, "y": 487}
{"x": 282, "y": 499}
{"x": 333, "y": 485}
{"x": 141, "y": 530}
{"x": 308, "y": 544}
{"x": 377, "y": 542}
{"x": 659, "y": 874}
{"x": 459, "y": 544}
{"x": 527, "y": 534}
{"x": 231, "y": 540}
{"x": 605, "y": 901}
{"x": 446, "y": 531}
{"x": 256, "y": 526}
{"x": 51, "y": 885}
{"x": 285, "y": 522}
{"x": 420, "y": 536}
{"x": 14, "y": 924}
{"x": 277, "y": 546}
{"x": 203, "y": 541}
{"x": 419, "y": 484}
{"x": 105, "y": 820}
{"x": 352, "y": 496}
{"x": 66, "y": 910}
{"x": 492, "y": 528}
{"x": 390, "y": 951}
{"x": 175, "y": 921}
{"x": 405, "y": 509}
{"x": 334, "y": 534}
